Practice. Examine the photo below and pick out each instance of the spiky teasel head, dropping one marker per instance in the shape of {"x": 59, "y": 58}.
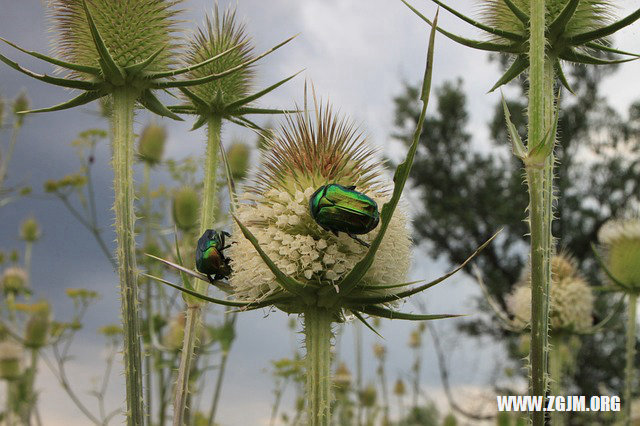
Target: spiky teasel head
{"x": 574, "y": 30}
{"x": 571, "y": 298}
{"x": 621, "y": 242}
{"x": 307, "y": 152}
{"x": 14, "y": 280}
{"x": 132, "y": 30}
{"x": 221, "y": 32}
{"x": 589, "y": 14}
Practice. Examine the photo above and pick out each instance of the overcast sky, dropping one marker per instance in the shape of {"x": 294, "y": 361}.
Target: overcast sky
{"x": 357, "y": 54}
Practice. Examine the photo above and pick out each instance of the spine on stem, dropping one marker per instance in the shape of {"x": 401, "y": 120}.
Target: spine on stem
{"x": 317, "y": 331}
{"x": 194, "y": 306}
{"x": 122, "y": 127}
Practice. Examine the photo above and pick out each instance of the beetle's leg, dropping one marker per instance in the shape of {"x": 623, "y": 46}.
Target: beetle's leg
{"x": 352, "y": 187}
{"x": 359, "y": 240}
{"x": 226, "y": 247}
{"x": 335, "y": 233}
{"x": 211, "y": 279}
{"x": 226, "y": 233}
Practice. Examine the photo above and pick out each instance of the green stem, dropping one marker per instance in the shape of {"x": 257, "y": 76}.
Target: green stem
{"x": 556, "y": 366}
{"x": 317, "y": 331}
{"x": 122, "y": 130}
{"x": 540, "y": 185}
{"x": 194, "y": 306}
{"x": 148, "y": 307}
{"x": 629, "y": 371}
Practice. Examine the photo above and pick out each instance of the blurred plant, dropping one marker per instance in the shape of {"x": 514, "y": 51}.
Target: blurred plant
{"x": 6, "y": 153}
{"x": 620, "y": 240}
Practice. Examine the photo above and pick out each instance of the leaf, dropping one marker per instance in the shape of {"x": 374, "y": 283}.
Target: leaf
{"x": 407, "y": 293}
{"x": 197, "y": 101}
{"x": 604, "y": 31}
{"x": 212, "y": 77}
{"x": 582, "y": 58}
{"x": 522, "y": 16}
{"x": 287, "y": 283}
{"x": 201, "y": 121}
{"x": 362, "y": 320}
{"x": 153, "y": 104}
{"x": 604, "y": 48}
{"x": 185, "y": 281}
{"x": 517, "y": 67}
{"x": 388, "y": 313}
{"x": 348, "y": 283}
{"x": 74, "y": 67}
{"x": 251, "y": 98}
{"x": 481, "y": 45}
{"x": 495, "y": 31}
{"x": 540, "y": 152}
{"x": 561, "y": 76}
{"x": 386, "y": 287}
{"x": 82, "y": 99}
{"x": 140, "y": 66}
{"x": 179, "y": 71}
{"x": 517, "y": 147}
{"x": 219, "y": 284}
{"x": 249, "y": 110}
{"x": 63, "y": 82}
{"x": 559, "y": 25}
{"x": 110, "y": 68}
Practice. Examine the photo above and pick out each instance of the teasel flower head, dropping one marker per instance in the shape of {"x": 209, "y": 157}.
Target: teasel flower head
{"x": 151, "y": 144}
{"x": 185, "y": 208}
{"x": 342, "y": 377}
{"x": 238, "y": 156}
{"x": 225, "y": 37}
{"x": 571, "y": 298}
{"x": 108, "y": 45}
{"x": 620, "y": 240}
{"x": 575, "y": 30}
{"x": 11, "y": 353}
{"x": 30, "y": 230}
{"x": 303, "y": 156}
{"x": 14, "y": 280}
{"x": 38, "y": 325}
{"x": 172, "y": 339}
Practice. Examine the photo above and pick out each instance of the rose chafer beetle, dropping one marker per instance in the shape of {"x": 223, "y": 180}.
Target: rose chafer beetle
{"x": 338, "y": 208}
{"x": 210, "y": 259}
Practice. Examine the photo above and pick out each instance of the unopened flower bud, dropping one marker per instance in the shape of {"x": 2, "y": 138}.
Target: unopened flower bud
{"x": 10, "y": 360}
{"x": 238, "y": 156}
{"x": 151, "y": 144}
{"x": 21, "y": 103}
{"x": 30, "y": 230}
{"x": 37, "y": 328}
{"x": 415, "y": 339}
{"x": 379, "y": 351}
{"x": 368, "y": 396}
{"x": 186, "y": 208}
{"x": 399, "y": 388}
{"x": 342, "y": 377}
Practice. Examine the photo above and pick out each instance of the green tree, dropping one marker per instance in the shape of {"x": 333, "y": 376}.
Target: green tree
{"x": 467, "y": 193}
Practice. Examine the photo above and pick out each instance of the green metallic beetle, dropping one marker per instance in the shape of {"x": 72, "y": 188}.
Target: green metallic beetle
{"x": 210, "y": 259}
{"x": 338, "y": 208}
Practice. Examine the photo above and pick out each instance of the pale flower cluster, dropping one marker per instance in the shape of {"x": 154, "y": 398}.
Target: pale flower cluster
{"x": 621, "y": 243}
{"x": 571, "y": 299}
{"x": 300, "y": 248}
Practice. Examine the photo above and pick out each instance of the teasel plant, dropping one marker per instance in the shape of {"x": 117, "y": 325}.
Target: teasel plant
{"x": 127, "y": 59}
{"x": 619, "y": 258}
{"x": 284, "y": 258}
{"x": 225, "y": 99}
{"x": 540, "y": 35}
{"x": 571, "y": 303}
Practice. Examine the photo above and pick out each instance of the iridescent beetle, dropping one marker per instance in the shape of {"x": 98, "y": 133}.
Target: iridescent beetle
{"x": 210, "y": 259}
{"x": 338, "y": 208}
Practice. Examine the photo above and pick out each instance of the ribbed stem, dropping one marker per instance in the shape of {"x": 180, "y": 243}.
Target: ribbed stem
{"x": 317, "y": 331}
{"x": 556, "y": 365}
{"x": 629, "y": 371}
{"x": 194, "y": 306}
{"x": 540, "y": 185}
{"x": 122, "y": 131}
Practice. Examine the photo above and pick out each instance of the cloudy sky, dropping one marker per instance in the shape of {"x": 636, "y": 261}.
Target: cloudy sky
{"x": 357, "y": 54}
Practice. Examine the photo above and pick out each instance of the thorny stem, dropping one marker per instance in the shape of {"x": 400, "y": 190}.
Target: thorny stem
{"x": 122, "y": 130}
{"x": 629, "y": 371}
{"x": 194, "y": 306}
{"x": 148, "y": 307}
{"x": 317, "y": 331}
{"x": 540, "y": 185}
{"x": 556, "y": 366}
